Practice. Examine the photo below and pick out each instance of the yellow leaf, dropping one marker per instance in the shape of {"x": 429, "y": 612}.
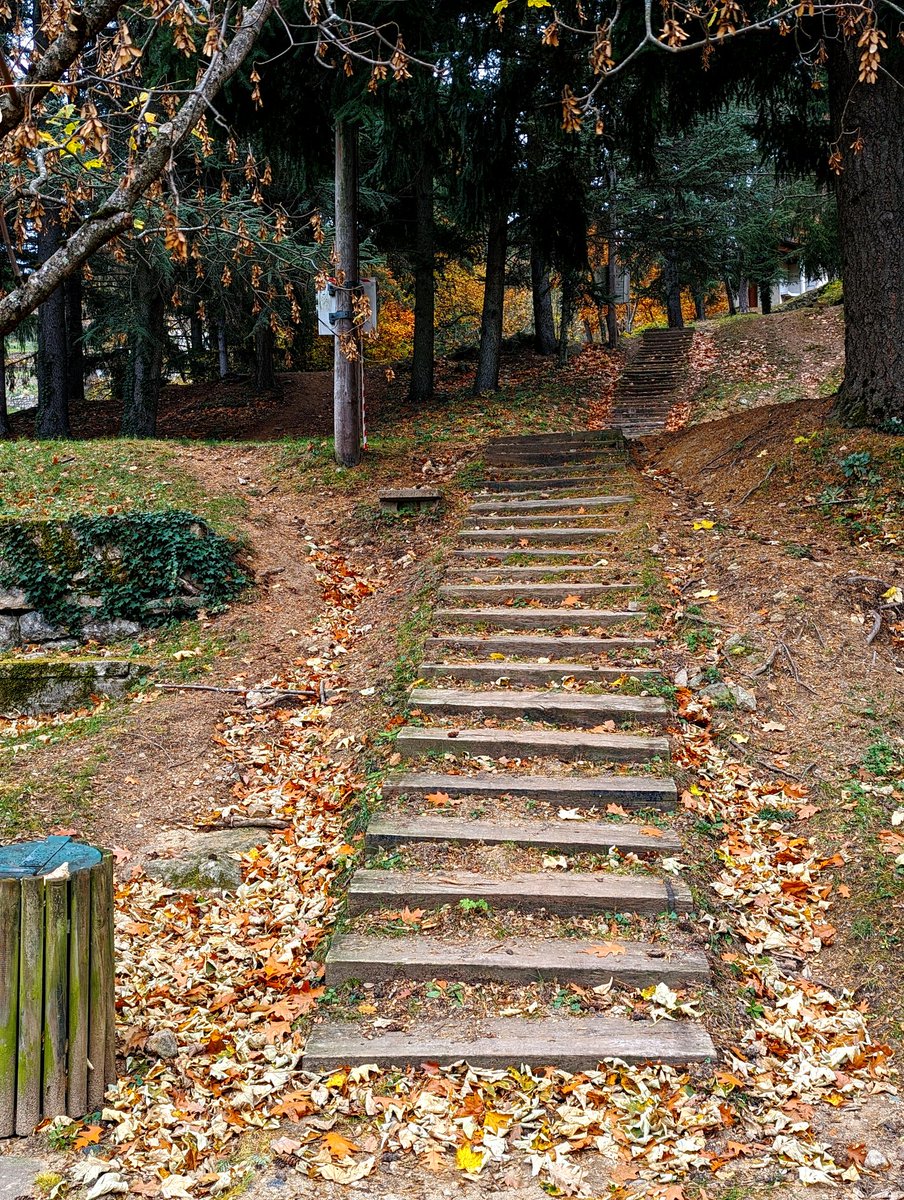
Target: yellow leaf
{"x": 894, "y": 595}
{"x": 497, "y": 657}
{"x": 704, "y": 525}
{"x": 496, "y": 1121}
{"x": 470, "y": 1160}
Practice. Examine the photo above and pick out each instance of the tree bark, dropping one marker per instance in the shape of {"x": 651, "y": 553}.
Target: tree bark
{"x": 348, "y": 418}
{"x": 699, "y": 306}
{"x": 487, "y": 378}
{"x": 870, "y": 197}
{"x": 52, "y": 418}
{"x": 766, "y": 298}
{"x": 75, "y": 332}
{"x": 139, "y": 418}
{"x": 421, "y": 389}
{"x": 611, "y": 266}
{"x": 222, "y": 349}
{"x": 729, "y": 293}
{"x": 6, "y": 430}
{"x": 541, "y": 291}
{"x": 264, "y": 369}
{"x": 743, "y": 295}
{"x": 566, "y": 315}
{"x": 671, "y": 283}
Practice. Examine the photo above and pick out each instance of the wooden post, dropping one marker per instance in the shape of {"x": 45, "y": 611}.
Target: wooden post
{"x": 79, "y": 984}
{"x": 101, "y": 921}
{"x": 9, "y": 1002}
{"x": 347, "y": 377}
{"x": 56, "y": 995}
{"x": 31, "y": 1006}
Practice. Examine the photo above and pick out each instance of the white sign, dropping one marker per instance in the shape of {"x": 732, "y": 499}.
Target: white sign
{"x": 333, "y": 300}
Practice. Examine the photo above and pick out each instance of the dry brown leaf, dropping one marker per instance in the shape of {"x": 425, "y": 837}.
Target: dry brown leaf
{"x": 605, "y": 950}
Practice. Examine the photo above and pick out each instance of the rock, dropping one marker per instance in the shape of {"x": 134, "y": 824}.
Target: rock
{"x": 730, "y": 695}
{"x": 739, "y": 644}
{"x": 681, "y": 678}
{"x": 17, "y": 1176}
{"x": 162, "y": 1043}
{"x": 203, "y": 861}
{"x": 33, "y": 627}
{"x": 776, "y": 618}
{"x": 107, "y": 631}
{"x": 9, "y": 632}
{"x": 876, "y": 1161}
{"x": 14, "y": 599}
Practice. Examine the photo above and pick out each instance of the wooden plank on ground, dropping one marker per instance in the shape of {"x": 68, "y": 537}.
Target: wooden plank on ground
{"x": 531, "y": 673}
{"x": 532, "y": 591}
{"x": 568, "y": 893}
{"x": 567, "y": 837}
{"x": 374, "y": 959}
{"x": 504, "y": 617}
{"x": 571, "y": 1044}
{"x": 544, "y": 504}
{"x": 536, "y": 645}
{"x": 561, "y": 708}
{"x": 516, "y": 539}
{"x": 567, "y": 745}
{"x": 567, "y": 791}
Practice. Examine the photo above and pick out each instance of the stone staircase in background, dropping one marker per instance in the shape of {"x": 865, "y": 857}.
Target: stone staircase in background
{"x": 649, "y": 386}
{"x": 533, "y": 702}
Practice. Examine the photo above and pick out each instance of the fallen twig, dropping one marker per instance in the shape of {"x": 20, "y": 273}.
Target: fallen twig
{"x": 199, "y": 687}
{"x": 877, "y": 625}
{"x": 246, "y": 823}
{"x": 756, "y": 487}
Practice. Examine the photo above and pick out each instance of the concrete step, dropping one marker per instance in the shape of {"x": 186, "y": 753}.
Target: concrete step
{"x": 370, "y": 959}
{"x": 572, "y": 709}
{"x": 563, "y": 837}
{"x": 531, "y": 674}
{"x": 533, "y": 591}
{"x": 571, "y": 503}
{"x": 537, "y": 618}
{"x": 569, "y": 791}
{"x": 534, "y": 520}
{"x": 564, "y": 893}
{"x": 566, "y": 745}
{"x": 512, "y": 539}
{"x": 536, "y": 646}
{"x": 570, "y": 1044}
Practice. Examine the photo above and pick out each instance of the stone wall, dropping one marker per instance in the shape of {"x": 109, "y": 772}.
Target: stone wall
{"x": 29, "y": 686}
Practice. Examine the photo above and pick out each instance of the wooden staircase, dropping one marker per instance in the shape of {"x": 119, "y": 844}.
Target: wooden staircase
{"x": 523, "y": 719}
{"x": 649, "y": 386}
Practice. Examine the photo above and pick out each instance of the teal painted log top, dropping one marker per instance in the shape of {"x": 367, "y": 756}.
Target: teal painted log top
{"x": 28, "y": 859}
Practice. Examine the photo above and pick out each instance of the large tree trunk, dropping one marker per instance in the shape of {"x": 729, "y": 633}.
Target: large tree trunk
{"x": 5, "y": 427}
{"x": 75, "y": 332}
{"x": 139, "y": 418}
{"x": 348, "y": 412}
{"x": 566, "y": 315}
{"x": 744, "y": 295}
{"x": 222, "y": 348}
{"x": 421, "y": 389}
{"x": 487, "y": 378}
{"x": 729, "y": 292}
{"x": 671, "y": 284}
{"x": 699, "y": 306}
{"x": 541, "y": 291}
{"x": 870, "y": 196}
{"x": 766, "y": 298}
{"x": 264, "y": 369}
{"x": 52, "y": 419}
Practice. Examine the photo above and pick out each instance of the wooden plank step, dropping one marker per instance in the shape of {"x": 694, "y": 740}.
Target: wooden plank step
{"x": 543, "y": 483}
{"x": 518, "y": 554}
{"x": 463, "y": 573}
{"x": 556, "y": 708}
{"x": 571, "y": 1044}
{"x": 568, "y": 837}
{"x": 552, "y": 435}
{"x": 531, "y": 673}
{"x": 567, "y": 745}
{"x": 370, "y": 959}
{"x": 542, "y": 534}
{"x": 566, "y": 893}
{"x": 531, "y": 591}
{"x": 516, "y": 521}
{"x": 537, "y": 646}
{"x": 536, "y": 618}
{"x": 569, "y": 502}
{"x": 569, "y": 791}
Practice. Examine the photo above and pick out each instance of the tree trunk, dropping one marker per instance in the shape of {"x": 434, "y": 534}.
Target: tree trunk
{"x": 75, "y": 332}
{"x": 196, "y": 346}
{"x": 766, "y": 298}
{"x": 870, "y": 196}
{"x": 566, "y": 315}
{"x": 743, "y": 295}
{"x": 729, "y": 292}
{"x": 139, "y": 418}
{"x": 222, "y": 349}
{"x": 421, "y": 389}
{"x": 52, "y": 419}
{"x": 487, "y": 378}
{"x": 611, "y": 266}
{"x": 348, "y": 418}
{"x": 541, "y": 290}
{"x": 699, "y": 306}
{"x": 5, "y": 427}
{"x": 671, "y": 283}
{"x": 264, "y": 370}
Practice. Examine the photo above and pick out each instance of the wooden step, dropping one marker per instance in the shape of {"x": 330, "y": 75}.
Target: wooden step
{"x": 567, "y": 745}
{"x": 553, "y": 457}
{"x": 565, "y": 893}
{"x": 557, "y": 435}
{"x": 518, "y": 554}
{"x": 559, "y": 470}
{"x": 570, "y": 1044}
{"x": 565, "y": 837}
{"x": 569, "y": 791}
{"x": 540, "y": 483}
{"x": 570, "y": 503}
{"x": 531, "y": 673}
{"x": 535, "y": 646}
{"x": 537, "y": 618}
{"x": 542, "y": 520}
{"x": 369, "y": 959}
{"x": 531, "y": 591}
{"x": 511, "y": 539}
{"x": 502, "y": 573}
{"x": 573, "y": 709}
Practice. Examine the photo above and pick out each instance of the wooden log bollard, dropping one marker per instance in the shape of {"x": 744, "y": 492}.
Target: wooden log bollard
{"x": 57, "y": 1038}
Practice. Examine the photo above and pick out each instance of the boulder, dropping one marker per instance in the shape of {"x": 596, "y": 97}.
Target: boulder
{"x": 203, "y": 861}
{"x": 730, "y": 695}
{"x": 33, "y": 627}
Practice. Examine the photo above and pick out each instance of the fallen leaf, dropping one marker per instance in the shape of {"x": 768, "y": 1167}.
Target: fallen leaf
{"x": 470, "y": 1160}
{"x": 438, "y": 798}
{"x": 605, "y": 949}
{"x": 89, "y": 1136}
{"x": 338, "y": 1146}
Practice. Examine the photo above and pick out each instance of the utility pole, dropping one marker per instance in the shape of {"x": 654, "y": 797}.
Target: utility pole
{"x": 348, "y": 367}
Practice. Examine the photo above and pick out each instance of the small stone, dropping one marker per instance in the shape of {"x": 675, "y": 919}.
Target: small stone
{"x": 14, "y": 599}
{"x": 9, "y": 632}
{"x": 776, "y": 618}
{"x": 730, "y": 695}
{"x": 739, "y": 644}
{"x": 876, "y": 1161}
{"x": 681, "y": 678}
{"x": 33, "y": 627}
{"x": 106, "y": 631}
{"x": 162, "y": 1043}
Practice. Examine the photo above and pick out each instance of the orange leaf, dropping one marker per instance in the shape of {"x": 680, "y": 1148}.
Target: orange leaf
{"x": 604, "y": 949}
{"x": 523, "y": 542}
{"x": 438, "y": 798}
{"x": 617, "y": 810}
{"x": 89, "y": 1136}
{"x": 571, "y": 601}
{"x": 338, "y": 1146}
{"x": 651, "y": 830}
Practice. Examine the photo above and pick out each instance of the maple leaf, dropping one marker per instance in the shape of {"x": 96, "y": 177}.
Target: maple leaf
{"x": 89, "y": 1136}
{"x": 438, "y": 798}
{"x": 338, "y": 1146}
{"x": 605, "y": 949}
{"x": 616, "y": 810}
{"x": 571, "y": 601}
{"x": 470, "y": 1160}
{"x": 523, "y": 542}
{"x": 651, "y": 830}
